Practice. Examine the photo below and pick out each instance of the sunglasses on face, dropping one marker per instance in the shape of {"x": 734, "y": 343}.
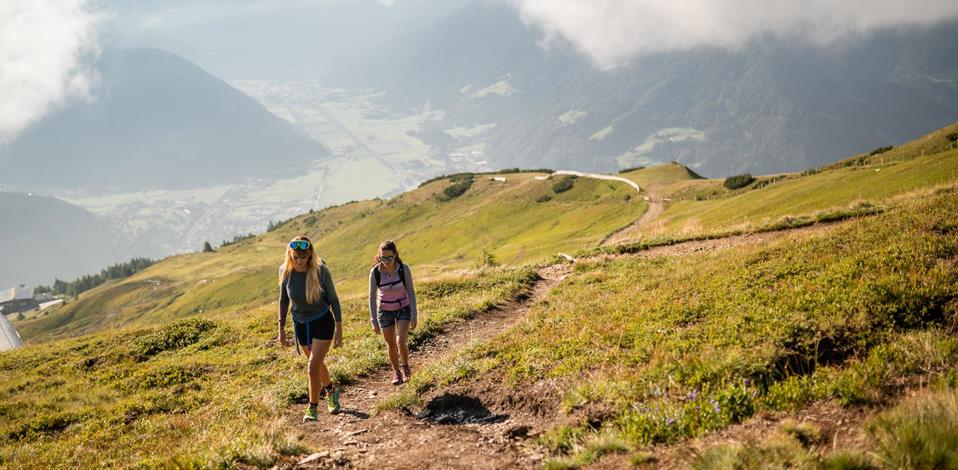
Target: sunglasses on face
{"x": 299, "y": 244}
{"x": 387, "y": 259}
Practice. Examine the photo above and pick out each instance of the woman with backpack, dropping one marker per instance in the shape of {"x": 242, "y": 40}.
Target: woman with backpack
{"x": 392, "y": 306}
{"x": 306, "y": 284}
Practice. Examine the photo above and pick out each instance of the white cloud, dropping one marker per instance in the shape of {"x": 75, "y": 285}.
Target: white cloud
{"x": 41, "y": 46}
{"x": 611, "y": 31}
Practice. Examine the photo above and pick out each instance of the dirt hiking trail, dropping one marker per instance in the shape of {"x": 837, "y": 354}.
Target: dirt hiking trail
{"x": 454, "y": 431}
{"x": 468, "y": 425}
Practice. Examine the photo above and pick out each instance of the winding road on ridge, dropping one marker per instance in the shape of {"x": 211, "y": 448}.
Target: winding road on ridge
{"x": 633, "y": 230}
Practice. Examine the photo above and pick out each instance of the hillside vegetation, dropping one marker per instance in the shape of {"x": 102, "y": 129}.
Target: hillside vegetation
{"x": 642, "y": 346}
{"x": 195, "y": 392}
{"x": 697, "y": 206}
{"x": 673, "y": 347}
{"x": 436, "y": 237}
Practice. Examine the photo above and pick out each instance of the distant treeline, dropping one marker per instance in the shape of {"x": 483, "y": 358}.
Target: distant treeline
{"x": 85, "y": 283}
{"x": 239, "y": 238}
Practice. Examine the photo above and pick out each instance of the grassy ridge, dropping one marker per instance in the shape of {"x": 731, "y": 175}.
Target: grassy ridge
{"x": 660, "y": 174}
{"x": 197, "y": 391}
{"x": 674, "y": 347}
{"x": 806, "y": 194}
{"x": 435, "y": 237}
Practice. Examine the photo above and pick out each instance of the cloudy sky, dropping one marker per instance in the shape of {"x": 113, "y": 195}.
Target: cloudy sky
{"x": 43, "y": 42}
{"x": 612, "y": 31}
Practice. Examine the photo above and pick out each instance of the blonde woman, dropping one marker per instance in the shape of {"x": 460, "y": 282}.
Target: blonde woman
{"x": 306, "y": 285}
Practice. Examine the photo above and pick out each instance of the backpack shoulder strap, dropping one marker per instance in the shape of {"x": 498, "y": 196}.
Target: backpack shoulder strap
{"x": 402, "y": 275}
{"x": 377, "y": 275}
{"x": 323, "y": 265}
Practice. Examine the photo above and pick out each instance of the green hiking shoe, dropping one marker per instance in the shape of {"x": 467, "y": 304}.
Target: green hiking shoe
{"x": 310, "y": 414}
{"x": 332, "y": 401}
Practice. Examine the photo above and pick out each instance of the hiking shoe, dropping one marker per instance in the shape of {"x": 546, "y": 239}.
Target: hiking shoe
{"x": 310, "y": 414}
{"x": 332, "y": 401}
{"x": 397, "y": 378}
{"x": 406, "y": 373}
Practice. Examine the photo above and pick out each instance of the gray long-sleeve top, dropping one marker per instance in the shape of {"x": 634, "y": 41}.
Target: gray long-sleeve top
{"x": 293, "y": 291}
{"x": 390, "y": 291}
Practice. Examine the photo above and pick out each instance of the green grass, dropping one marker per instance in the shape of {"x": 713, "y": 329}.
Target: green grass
{"x": 664, "y": 348}
{"x": 196, "y": 391}
{"x": 803, "y": 195}
{"x": 675, "y": 347}
{"x": 660, "y": 174}
{"x": 514, "y": 222}
{"x": 436, "y": 237}
{"x": 921, "y": 432}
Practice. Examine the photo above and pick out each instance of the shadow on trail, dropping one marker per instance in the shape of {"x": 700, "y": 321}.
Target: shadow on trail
{"x": 354, "y": 412}
{"x": 458, "y": 409}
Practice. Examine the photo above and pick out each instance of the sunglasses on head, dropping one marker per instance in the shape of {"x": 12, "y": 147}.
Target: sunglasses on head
{"x": 299, "y": 244}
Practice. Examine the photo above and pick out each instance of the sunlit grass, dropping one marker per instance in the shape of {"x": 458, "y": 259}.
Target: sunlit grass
{"x": 198, "y": 391}
{"x": 683, "y": 345}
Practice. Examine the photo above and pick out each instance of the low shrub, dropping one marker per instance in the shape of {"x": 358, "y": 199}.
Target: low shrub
{"x": 880, "y": 150}
{"x": 563, "y": 184}
{"x": 738, "y": 181}
{"x": 174, "y": 336}
{"x": 459, "y": 186}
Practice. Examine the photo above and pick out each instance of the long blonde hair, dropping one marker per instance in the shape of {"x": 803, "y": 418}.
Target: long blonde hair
{"x": 314, "y": 291}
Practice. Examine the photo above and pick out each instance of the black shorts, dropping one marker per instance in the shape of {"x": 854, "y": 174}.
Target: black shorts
{"x": 321, "y": 328}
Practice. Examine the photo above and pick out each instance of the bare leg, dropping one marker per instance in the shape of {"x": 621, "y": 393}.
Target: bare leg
{"x": 318, "y": 373}
{"x": 402, "y": 334}
{"x": 389, "y": 334}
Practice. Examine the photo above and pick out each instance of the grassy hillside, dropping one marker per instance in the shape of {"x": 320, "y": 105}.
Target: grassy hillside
{"x": 196, "y": 392}
{"x": 435, "y": 237}
{"x": 661, "y": 174}
{"x": 644, "y": 350}
{"x": 704, "y": 205}
{"x": 673, "y": 347}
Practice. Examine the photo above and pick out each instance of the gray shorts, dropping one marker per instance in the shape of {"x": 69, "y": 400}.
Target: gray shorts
{"x": 388, "y": 319}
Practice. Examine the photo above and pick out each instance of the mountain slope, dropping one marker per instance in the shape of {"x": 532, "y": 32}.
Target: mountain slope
{"x": 772, "y": 106}
{"x": 43, "y": 237}
{"x": 437, "y": 238}
{"x": 623, "y": 355}
{"x": 505, "y": 220}
{"x": 155, "y": 121}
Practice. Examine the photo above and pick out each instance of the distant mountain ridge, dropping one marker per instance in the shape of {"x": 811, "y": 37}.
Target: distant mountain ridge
{"x": 156, "y": 120}
{"x": 43, "y": 237}
{"x": 772, "y": 106}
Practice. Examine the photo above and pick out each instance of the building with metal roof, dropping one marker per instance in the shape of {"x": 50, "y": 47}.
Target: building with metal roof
{"x": 17, "y": 299}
